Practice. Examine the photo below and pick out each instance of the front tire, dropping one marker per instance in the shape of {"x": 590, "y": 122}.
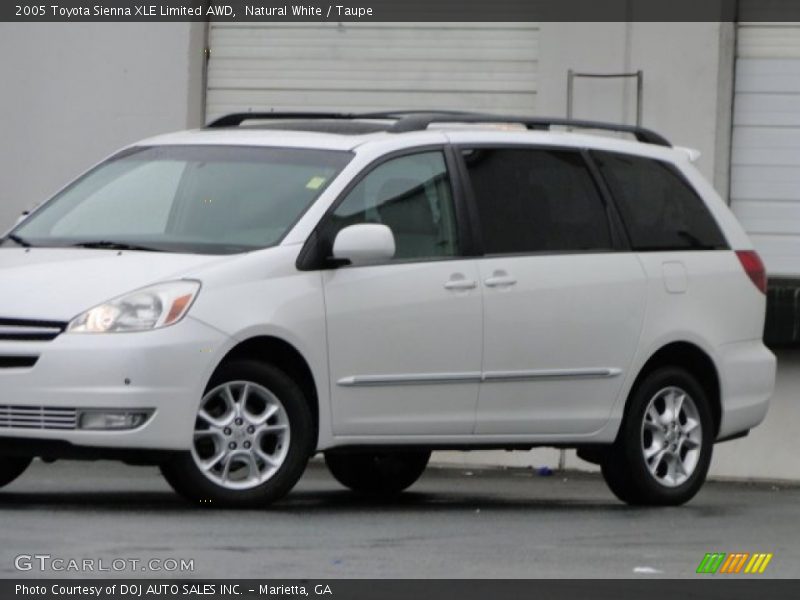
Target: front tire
{"x": 253, "y": 436}
{"x": 377, "y": 473}
{"x": 663, "y": 450}
{"x": 12, "y": 467}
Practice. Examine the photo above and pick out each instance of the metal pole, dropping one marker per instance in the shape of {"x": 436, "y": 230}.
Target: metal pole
{"x": 571, "y": 75}
{"x": 639, "y": 91}
{"x": 570, "y": 82}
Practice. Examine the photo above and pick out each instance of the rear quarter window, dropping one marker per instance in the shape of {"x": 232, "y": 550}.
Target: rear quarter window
{"x": 659, "y": 208}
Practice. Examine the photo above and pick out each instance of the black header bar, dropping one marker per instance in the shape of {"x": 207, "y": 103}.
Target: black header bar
{"x": 348, "y": 11}
{"x": 708, "y": 588}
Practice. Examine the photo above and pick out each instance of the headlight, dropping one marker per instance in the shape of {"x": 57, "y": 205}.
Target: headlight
{"x": 149, "y": 308}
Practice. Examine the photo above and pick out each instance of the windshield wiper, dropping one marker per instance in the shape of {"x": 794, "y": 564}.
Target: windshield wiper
{"x": 19, "y": 240}
{"x": 111, "y": 245}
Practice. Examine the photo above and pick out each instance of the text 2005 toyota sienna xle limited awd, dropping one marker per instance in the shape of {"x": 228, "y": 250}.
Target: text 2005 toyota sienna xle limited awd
{"x": 226, "y": 302}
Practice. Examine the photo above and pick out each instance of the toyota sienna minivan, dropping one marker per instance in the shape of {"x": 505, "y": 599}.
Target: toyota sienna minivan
{"x": 229, "y": 301}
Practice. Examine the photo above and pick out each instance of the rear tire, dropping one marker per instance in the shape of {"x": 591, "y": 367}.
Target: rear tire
{"x": 663, "y": 450}
{"x": 12, "y": 467}
{"x": 253, "y": 436}
{"x": 377, "y": 473}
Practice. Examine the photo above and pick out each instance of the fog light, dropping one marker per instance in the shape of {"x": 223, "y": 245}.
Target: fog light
{"x": 118, "y": 419}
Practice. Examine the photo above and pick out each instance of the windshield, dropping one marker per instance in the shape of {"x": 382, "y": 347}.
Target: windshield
{"x": 200, "y": 199}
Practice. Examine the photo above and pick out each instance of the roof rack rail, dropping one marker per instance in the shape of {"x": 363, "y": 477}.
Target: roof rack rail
{"x": 236, "y": 119}
{"x": 419, "y": 120}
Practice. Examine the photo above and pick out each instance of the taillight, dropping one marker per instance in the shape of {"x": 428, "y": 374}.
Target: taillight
{"x": 751, "y": 262}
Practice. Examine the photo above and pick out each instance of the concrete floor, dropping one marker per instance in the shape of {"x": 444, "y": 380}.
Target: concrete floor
{"x": 454, "y": 523}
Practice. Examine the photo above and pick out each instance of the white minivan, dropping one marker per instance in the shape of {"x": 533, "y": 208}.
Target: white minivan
{"x": 229, "y": 301}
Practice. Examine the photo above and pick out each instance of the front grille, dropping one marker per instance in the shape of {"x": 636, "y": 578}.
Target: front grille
{"x": 37, "y": 417}
{"x": 17, "y": 362}
{"x": 27, "y": 330}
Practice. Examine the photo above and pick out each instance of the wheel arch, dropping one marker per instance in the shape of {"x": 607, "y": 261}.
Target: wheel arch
{"x": 284, "y": 356}
{"x": 696, "y": 361}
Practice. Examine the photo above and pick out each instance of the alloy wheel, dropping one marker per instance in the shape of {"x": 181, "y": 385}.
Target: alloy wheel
{"x": 671, "y": 436}
{"x": 241, "y": 435}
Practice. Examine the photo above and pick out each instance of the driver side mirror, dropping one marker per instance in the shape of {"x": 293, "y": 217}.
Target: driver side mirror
{"x": 364, "y": 243}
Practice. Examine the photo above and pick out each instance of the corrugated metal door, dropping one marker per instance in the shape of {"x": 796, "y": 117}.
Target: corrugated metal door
{"x": 371, "y": 66}
{"x": 765, "y": 166}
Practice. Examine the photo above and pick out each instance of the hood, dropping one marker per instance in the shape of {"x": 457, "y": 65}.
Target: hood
{"x": 56, "y": 284}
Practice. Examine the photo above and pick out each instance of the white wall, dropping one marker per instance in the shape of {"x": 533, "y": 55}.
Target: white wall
{"x": 74, "y": 92}
{"x": 688, "y": 78}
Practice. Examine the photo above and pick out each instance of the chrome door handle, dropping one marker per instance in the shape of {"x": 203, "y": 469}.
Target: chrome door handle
{"x": 460, "y": 284}
{"x": 500, "y": 280}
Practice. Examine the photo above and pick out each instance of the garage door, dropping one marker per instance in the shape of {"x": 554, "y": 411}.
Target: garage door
{"x": 765, "y": 169}
{"x": 358, "y": 66}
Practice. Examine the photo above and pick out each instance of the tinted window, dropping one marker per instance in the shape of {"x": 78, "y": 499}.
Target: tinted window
{"x": 410, "y": 195}
{"x": 659, "y": 208}
{"x": 536, "y": 201}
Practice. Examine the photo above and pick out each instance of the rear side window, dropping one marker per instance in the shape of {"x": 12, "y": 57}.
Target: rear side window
{"x": 659, "y": 208}
{"x": 533, "y": 200}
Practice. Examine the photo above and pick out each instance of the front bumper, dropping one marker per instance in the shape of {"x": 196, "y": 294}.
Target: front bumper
{"x": 164, "y": 370}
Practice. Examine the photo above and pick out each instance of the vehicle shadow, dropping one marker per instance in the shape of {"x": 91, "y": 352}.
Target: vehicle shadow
{"x": 301, "y": 501}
